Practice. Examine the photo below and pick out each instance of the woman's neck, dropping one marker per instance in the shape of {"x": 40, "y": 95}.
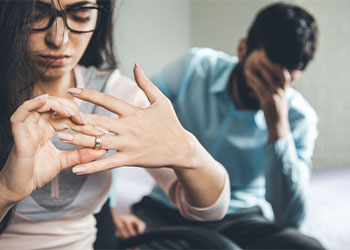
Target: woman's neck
{"x": 56, "y": 86}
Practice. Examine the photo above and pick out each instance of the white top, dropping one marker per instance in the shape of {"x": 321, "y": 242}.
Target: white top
{"x": 60, "y": 214}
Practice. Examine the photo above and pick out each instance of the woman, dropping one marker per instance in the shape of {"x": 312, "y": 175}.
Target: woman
{"x": 48, "y": 47}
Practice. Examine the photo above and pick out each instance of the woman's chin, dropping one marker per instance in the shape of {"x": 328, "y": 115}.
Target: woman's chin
{"x": 50, "y": 72}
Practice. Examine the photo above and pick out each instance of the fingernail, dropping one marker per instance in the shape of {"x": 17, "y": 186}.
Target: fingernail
{"x": 83, "y": 119}
{"x": 68, "y": 110}
{"x": 79, "y": 169}
{"x": 137, "y": 66}
{"x": 103, "y": 130}
{"x": 41, "y": 97}
{"x": 74, "y": 91}
{"x": 65, "y": 136}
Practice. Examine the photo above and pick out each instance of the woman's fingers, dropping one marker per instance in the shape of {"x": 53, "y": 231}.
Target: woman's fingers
{"x": 111, "y": 124}
{"x": 24, "y": 111}
{"x": 63, "y": 107}
{"x": 109, "y": 102}
{"x": 79, "y": 156}
{"x": 152, "y": 92}
{"x": 114, "y": 161}
{"x": 88, "y": 141}
{"x": 60, "y": 124}
{"x": 78, "y": 116}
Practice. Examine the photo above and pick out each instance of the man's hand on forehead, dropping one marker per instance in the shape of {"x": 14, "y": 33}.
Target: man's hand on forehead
{"x": 271, "y": 74}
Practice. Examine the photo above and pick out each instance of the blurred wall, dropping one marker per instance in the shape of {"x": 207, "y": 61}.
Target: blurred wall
{"x": 154, "y": 32}
{"x": 151, "y": 33}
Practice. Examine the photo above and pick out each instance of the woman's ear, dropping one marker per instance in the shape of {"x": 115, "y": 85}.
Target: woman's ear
{"x": 242, "y": 48}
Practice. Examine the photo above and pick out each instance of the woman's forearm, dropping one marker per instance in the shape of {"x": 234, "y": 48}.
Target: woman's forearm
{"x": 203, "y": 181}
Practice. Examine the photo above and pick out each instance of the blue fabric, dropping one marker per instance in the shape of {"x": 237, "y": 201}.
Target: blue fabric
{"x": 260, "y": 173}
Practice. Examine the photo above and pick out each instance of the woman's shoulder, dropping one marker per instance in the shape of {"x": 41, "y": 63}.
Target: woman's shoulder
{"x": 91, "y": 77}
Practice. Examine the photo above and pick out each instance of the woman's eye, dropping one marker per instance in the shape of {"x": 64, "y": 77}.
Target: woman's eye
{"x": 81, "y": 15}
{"x": 80, "y": 19}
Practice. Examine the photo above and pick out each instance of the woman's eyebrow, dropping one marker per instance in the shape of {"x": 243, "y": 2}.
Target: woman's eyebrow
{"x": 76, "y": 4}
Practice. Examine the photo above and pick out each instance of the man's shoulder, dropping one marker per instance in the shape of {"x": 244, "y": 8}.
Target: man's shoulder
{"x": 211, "y": 63}
{"x": 211, "y": 56}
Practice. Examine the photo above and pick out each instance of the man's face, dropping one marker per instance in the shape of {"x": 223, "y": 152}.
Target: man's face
{"x": 258, "y": 66}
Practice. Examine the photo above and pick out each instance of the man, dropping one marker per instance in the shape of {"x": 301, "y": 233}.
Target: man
{"x": 246, "y": 114}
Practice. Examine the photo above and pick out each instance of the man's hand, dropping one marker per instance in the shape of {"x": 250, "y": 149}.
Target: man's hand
{"x": 269, "y": 82}
{"x": 127, "y": 225}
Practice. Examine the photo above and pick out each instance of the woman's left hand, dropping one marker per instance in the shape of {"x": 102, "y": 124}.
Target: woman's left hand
{"x": 151, "y": 138}
{"x": 147, "y": 137}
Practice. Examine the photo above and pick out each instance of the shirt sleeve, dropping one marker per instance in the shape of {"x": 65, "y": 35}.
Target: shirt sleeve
{"x": 288, "y": 169}
{"x": 169, "y": 183}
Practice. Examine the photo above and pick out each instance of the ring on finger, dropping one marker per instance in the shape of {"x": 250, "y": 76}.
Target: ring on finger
{"x": 98, "y": 141}
{"x": 54, "y": 115}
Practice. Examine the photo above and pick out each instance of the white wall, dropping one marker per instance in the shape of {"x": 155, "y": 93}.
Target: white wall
{"x": 151, "y": 33}
{"x": 154, "y": 32}
{"x": 220, "y": 24}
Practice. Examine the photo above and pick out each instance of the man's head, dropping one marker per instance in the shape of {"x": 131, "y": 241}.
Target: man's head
{"x": 287, "y": 34}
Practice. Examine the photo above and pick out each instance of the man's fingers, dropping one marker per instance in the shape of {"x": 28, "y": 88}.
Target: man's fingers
{"x": 130, "y": 228}
{"x": 287, "y": 77}
{"x": 79, "y": 156}
{"x": 273, "y": 68}
{"x": 109, "y": 102}
{"x": 140, "y": 226}
{"x": 258, "y": 88}
{"x": 266, "y": 77}
{"x": 152, "y": 92}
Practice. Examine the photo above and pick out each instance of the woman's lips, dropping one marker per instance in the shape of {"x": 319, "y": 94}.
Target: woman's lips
{"x": 59, "y": 60}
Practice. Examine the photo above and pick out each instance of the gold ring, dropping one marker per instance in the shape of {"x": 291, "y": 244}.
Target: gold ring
{"x": 98, "y": 141}
{"x": 54, "y": 115}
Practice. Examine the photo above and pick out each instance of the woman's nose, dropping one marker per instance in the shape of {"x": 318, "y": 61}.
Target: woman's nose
{"x": 57, "y": 34}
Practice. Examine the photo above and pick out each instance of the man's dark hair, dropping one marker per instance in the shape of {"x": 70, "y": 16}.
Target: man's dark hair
{"x": 288, "y": 33}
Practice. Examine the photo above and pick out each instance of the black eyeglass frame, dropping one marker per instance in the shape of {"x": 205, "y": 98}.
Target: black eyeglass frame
{"x": 63, "y": 13}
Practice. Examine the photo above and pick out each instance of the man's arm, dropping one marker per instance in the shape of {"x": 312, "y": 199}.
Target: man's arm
{"x": 287, "y": 172}
{"x": 291, "y": 138}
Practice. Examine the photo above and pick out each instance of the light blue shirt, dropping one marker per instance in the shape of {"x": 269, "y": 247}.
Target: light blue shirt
{"x": 260, "y": 173}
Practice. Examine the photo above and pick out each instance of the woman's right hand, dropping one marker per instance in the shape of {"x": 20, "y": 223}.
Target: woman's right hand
{"x": 34, "y": 160}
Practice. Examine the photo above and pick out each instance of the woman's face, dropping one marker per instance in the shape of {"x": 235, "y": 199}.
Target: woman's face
{"x": 59, "y": 47}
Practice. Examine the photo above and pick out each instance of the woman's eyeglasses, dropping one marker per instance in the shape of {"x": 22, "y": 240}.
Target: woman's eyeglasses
{"x": 78, "y": 19}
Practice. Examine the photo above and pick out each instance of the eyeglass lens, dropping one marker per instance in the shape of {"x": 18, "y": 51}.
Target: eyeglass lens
{"x": 81, "y": 19}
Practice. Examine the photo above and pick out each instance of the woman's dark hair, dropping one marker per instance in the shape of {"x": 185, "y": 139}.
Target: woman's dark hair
{"x": 17, "y": 78}
{"x": 288, "y": 33}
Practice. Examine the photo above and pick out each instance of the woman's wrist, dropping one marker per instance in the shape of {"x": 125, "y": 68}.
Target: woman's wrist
{"x": 5, "y": 202}
{"x": 201, "y": 176}
{"x": 192, "y": 154}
